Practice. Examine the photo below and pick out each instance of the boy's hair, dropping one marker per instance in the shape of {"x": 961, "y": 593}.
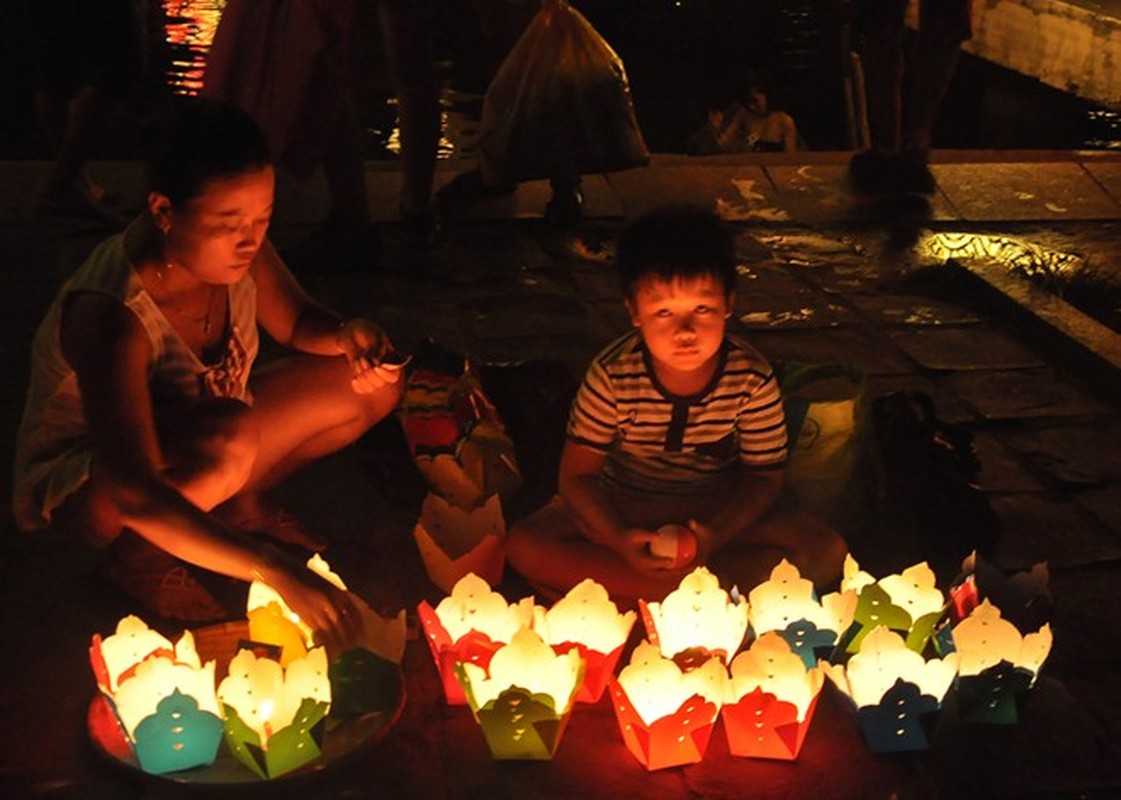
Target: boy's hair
{"x": 676, "y": 242}
{"x": 200, "y": 140}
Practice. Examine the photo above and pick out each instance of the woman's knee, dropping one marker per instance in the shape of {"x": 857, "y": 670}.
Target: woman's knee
{"x": 214, "y": 449}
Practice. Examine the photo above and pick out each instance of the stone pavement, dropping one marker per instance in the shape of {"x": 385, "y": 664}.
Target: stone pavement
{"x": 824, "y": 279}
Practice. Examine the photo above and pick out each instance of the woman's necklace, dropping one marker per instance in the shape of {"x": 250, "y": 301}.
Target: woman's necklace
{"x": 205, "y": 319}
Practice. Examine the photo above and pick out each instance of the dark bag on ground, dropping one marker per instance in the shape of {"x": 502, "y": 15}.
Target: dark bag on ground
{"x": 932, "y": 508}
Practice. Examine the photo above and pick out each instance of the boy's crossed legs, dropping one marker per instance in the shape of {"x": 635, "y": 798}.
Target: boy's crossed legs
{"x": 553, "y": 550}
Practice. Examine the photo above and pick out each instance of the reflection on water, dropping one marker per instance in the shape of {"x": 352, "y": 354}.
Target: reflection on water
{"x": 189, "y": 27}
{"x": 1020, "y": 256}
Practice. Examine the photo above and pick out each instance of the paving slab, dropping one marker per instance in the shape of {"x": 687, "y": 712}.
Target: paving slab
{"x": 1058, "y": 531}
{"x": 741, "y": 192}
{"x": 1078, "y": 456}
{"x": 1017, "y": 191}
{"x": 1104, "y": 504}
{"x": 820, "y": 193}
{"x": 970, "y": 348}
{"x": 864, "y": 350}
{"x": 1002, "y": 469}
{"x": 1024, "y": 393}
{"x": 1108, "y": 174}
{"x": 913, "y": 310}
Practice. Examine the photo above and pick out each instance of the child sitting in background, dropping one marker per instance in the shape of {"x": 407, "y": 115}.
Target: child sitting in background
{"x": 679, "y": 422}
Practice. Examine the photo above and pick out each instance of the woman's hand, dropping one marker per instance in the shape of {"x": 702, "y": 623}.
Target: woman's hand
{"x": 367, "y": 348}
{"x": 328, "y": 610}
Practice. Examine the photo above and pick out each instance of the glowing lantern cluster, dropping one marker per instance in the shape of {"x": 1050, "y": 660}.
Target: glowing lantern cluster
{"x": 588, "y": 621}
{"x": 997, "y": 664}
{"x": 771, "y": 700}
{"x": 788, "y": 605}
{"x": 909, "y": 603}
{"x": 468, "y": 626}
{"x": 897, "y": 692}
{"x": 665, "y": 713}
{"x": 275, "y": 714}
{"x": 162, "y": 697}
{"x": 523, "y": 699}
{"x": 696, "y": 620}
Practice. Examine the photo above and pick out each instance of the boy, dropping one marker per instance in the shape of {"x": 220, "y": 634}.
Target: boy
{"x": 677, "y": 423}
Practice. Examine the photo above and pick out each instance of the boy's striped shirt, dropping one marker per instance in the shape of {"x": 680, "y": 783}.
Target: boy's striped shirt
{"x": 659, "y": 442}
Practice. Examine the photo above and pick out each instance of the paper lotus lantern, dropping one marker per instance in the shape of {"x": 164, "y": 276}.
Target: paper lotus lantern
{"x": 271, "y": 621}
{"x": 997, "y": 665}
{"x": 165, "y": 703}
{"x": 455, "y": 541}
{"x": 666, "y": 714}
{"x": 771, "y": 700}
{"x": 788, "y": 605}
{"x": 897, "y": 692}
{"x": 115, "y": 657}
{"x": 275, "y": 715}
{"x": 588, "y": 621}
{"x": 696, "y": 620}
{"x": 367, "y": 677}
{"x": 469, "y": 625}
{"x": 908, "y": 602}
{"x": 524, "y": 703}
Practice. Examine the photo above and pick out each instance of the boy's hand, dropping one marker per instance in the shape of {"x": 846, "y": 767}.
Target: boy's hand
{"x": 706, "y": 539}
{"x": 634, "y": 546}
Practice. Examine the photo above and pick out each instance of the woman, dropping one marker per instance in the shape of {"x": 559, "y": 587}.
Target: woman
{"x": 143, "y": 429}
{"x": 748, "y": 125}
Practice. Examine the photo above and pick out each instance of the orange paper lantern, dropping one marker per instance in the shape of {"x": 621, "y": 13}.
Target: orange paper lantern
{"x": 666, "y": 714}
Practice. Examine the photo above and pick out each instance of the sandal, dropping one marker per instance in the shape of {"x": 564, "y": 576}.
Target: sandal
{"x": 168, "y": 589}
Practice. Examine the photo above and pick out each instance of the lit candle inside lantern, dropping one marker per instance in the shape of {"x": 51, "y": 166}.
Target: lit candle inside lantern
{"x": 586, "y": 619}
{"x": 697, "y": 615}
{"x": 666, "y": 714}
{"x": 274, "y": 715}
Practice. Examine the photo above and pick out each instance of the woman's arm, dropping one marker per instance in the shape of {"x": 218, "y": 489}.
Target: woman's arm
{"x": 294, "y": 319}
{"x": 107, "y": 347}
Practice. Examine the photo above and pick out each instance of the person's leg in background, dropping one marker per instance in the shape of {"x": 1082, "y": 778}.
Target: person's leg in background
{"x": 407, "y": 35}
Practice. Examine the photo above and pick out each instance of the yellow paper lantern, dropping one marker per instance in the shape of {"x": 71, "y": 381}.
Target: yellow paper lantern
{"x": 271, "y": 621}
{"x": 771, "y": 699}
{"x": 666, "y": 714}
{"x": 697, "y": 616}
{"x": 469, "y": 625}
{"x": 586, "y": 619}
{"x": 524, "y": 702}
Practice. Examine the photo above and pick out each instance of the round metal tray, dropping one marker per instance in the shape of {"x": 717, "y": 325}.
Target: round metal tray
{"x": 343, "y": 739}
